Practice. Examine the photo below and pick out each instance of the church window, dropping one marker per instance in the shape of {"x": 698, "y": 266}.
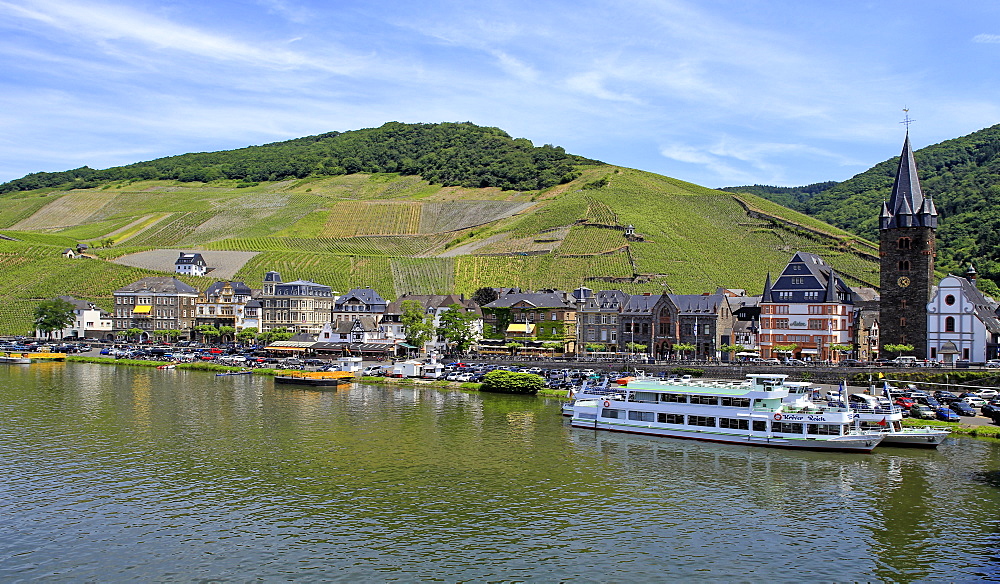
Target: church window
{"x": 902, "y": 304}
{"x": 949, "y": 300}
{"x": 965, "y": 354}
{"x": 904, "y": 265}
{"x": 949, "y": 324}
{"x": 902, "y": 321}
{"x": 904, "y": 243}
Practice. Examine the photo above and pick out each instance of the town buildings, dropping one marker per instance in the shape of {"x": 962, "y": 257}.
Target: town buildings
{"x": 89, "y": 321}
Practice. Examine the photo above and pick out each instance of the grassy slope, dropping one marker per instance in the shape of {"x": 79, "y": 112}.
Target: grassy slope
{"x": 695, "y": 238}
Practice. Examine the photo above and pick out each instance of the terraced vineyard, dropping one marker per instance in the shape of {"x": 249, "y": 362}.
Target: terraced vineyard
{"x": 400, "y": 234}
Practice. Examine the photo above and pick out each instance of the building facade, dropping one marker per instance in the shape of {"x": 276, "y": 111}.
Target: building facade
{"x": 805, "y": 311}
{"x": 191, "y": 264}
{"x": 962, "y": 321}
{"x": 597, "y": 319}
{"x": 155, "y": 304}
{"x": 301, "y": 306}
{"x": 227, "y": 304}
{"x": 907, "y": 247}
{"x": 89, "y": 321}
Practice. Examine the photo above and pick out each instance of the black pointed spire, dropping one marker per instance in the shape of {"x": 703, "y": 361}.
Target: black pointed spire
{"x": 907, "y": 206}
{"x": 766, "y": 296}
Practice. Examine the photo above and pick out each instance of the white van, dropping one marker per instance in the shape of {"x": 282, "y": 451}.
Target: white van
{"x": 868, "y": 402}
{"x": 905, "y": 361}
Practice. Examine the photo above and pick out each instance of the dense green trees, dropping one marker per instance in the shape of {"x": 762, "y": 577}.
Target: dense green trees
{"x": 53, "y": 315}
{"x": 456, "y": 328}
{"x": 417, "y": 326}
{"x": 452, "y": 154}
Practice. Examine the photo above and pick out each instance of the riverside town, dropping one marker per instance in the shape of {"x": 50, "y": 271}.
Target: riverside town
{"x": 806, "y": 315}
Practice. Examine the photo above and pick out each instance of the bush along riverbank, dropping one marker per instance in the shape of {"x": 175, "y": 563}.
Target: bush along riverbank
{"x": 957, "y": 428}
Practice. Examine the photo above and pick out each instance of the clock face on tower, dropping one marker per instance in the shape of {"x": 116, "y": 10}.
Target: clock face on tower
{"x": 903, "y": 281}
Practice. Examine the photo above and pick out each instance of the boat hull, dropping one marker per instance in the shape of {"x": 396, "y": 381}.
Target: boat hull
{"x": 863, "y": 444}
{"x": 915, "y": 438}
{"x": 310, "y": 382}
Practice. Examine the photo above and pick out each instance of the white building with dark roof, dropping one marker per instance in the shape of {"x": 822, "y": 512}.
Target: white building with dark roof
{"x": 89, "y": 321}
{"x": 962, "y": 322}
{"x": 190, "y": 264}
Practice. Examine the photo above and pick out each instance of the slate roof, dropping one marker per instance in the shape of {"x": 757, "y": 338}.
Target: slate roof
{"x": 367, "y": 296}
{"x": 641, "y": 303}
{"x": 907, "y": 206}
{"x": 190, "y": 259}
{"x": 158, "y": 284}
{"x": 238, "y": 288}
{"x": 535, "y": 299}
{"x": 817, "y": 276}
{"x": 697, "y": 303}
{"x": 603, "y": 300}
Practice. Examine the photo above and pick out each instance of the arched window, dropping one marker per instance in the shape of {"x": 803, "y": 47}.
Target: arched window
{"x": 904, "y": 265}
{"x": 902, "y": 322}
{"x": 949, "y": 324}
{"x": 902, "y": 304}
{"x": 903, "y": 243}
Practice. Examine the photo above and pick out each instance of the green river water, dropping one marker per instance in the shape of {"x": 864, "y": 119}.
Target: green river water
{"x": 114, "y": 474}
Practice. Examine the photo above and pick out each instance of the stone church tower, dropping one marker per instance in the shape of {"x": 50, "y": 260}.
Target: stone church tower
{"x": 907, "y": 248}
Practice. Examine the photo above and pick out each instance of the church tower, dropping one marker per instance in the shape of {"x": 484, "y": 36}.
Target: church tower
{"x": 907, "y": 248}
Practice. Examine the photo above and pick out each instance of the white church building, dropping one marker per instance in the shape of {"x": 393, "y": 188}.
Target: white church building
{"x": 962, "y": 322}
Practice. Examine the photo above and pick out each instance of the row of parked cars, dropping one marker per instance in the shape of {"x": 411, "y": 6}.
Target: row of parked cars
{"x": 946, "y": 405}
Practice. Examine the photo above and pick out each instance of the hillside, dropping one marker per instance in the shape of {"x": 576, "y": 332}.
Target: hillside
{"x": 463, "y": 207}
{"x": 402, "y": 234}
{"x": 963, "y": 177}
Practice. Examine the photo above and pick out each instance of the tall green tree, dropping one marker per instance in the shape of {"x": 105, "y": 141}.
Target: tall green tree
{"x": 248, "y": 334}
{"x": 53, "y": 315}
{"x": 484, "y": 295}
{"x": 417, "y": 326}
{"x": 456, "y": 327}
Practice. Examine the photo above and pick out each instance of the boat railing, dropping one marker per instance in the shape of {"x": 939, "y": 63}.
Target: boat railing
{"x": 893, "y": 409}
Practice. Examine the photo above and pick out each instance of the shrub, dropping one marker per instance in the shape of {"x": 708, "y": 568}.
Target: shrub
{"x": 510, "y": 382}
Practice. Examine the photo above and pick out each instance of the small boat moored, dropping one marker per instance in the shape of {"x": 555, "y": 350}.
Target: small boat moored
{"x": 315, "y": 378}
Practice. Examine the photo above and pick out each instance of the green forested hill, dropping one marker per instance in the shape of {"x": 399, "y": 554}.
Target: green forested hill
{"x": 452, "y": 154}
{"x": 963, "y": 177}
{"x": 403, "y": 233}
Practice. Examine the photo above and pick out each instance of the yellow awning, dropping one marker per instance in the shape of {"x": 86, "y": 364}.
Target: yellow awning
{"x": 521, "y": 328}
{"x": 142, "y": 309}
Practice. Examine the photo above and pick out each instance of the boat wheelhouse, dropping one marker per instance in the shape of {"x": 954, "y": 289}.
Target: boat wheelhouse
{"x": 750, "y": 412}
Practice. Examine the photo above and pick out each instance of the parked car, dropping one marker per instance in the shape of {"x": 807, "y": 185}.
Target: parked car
{"x": 945, "y": 397}
{"x": 852, "y": 363}
{"x": 993, "y": 363}
{"x": 795, "y": 362}
{"x": 373, "y": 370}
{"x": 961, "y": 408}
{"x": 922, "y": 412}
{"x": 988, "y": 394}
{"x": 945, "y": 414}
{"x": 991, "y": 409}
{"x": 904, "y": 402}
{"x": 927, "y": 401}
{"x": 974, "y": 401}
{"x": 771, "y": 361}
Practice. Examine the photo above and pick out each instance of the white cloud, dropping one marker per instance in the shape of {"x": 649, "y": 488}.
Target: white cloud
{"x": 986, "y": 38}
{"x": 111, "y": 25}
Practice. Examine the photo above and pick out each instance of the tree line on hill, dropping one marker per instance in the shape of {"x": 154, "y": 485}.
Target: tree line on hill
{"x": 451, "y": 154}
{"x": 963, "y": 177}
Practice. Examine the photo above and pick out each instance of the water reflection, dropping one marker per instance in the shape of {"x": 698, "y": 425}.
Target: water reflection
{"x": 123, "y": 474}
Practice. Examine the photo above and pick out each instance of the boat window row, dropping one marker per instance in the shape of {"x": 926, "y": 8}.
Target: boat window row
{"x": 681, "y": 398}
{"x": 727, "y": 423}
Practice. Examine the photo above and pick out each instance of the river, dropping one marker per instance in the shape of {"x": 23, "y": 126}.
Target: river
{"x": 122, "y": 474}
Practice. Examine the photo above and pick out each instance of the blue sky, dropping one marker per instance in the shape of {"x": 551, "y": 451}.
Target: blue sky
{"x": 716, "y": 93}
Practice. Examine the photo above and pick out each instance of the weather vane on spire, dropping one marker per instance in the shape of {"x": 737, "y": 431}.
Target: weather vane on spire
{"x": 906, "y": 119}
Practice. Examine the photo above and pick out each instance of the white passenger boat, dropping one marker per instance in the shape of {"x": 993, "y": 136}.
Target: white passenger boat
{"x": 752, "y": 412}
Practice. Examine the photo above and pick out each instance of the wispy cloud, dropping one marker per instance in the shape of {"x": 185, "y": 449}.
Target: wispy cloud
{"x": 986, "y": 38}
{"x": 114, "y": 24}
